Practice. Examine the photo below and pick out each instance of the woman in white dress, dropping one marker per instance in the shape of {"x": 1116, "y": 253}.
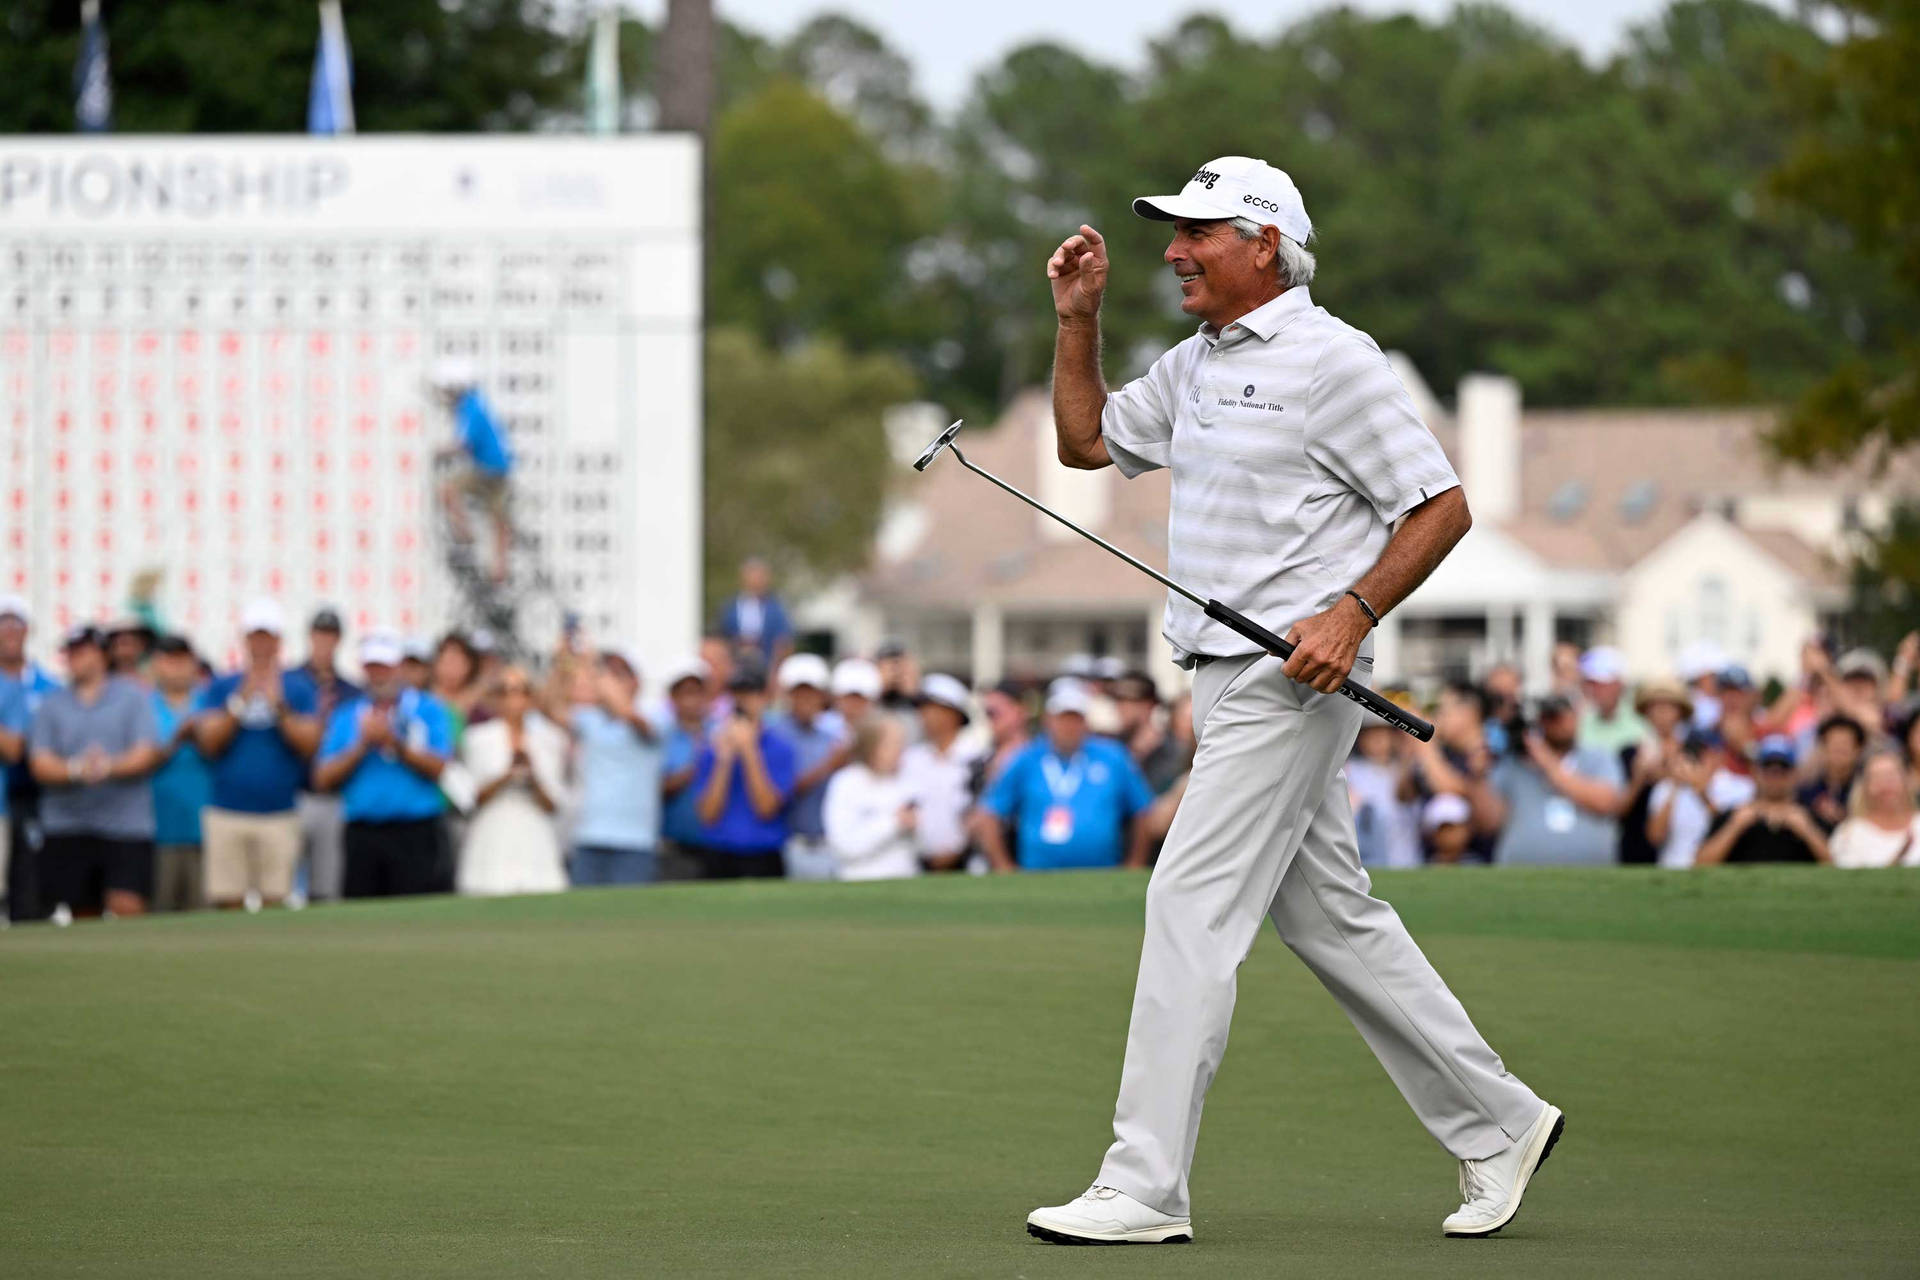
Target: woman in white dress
{"x": 518, "y": 763}
{"x": 1884, "y": 830}
{"x": 868, "y": 815}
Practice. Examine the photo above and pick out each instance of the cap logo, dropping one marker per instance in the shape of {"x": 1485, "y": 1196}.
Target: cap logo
{"x": 1208, "y": 177}
{"x": 1261, "y": 202}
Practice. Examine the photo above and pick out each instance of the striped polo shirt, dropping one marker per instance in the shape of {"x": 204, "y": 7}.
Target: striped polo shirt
{"x": 1294, "y": 448}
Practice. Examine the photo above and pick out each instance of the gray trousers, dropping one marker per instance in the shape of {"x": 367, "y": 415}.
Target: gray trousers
{"x": 323, "y": 827}
{"x": 1265, "y": 829}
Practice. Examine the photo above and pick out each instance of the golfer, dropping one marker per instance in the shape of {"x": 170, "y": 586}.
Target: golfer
{"x": 1308, "y": 494}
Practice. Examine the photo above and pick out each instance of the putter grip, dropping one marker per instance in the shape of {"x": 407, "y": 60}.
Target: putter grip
{"x": 1405, "y": 721}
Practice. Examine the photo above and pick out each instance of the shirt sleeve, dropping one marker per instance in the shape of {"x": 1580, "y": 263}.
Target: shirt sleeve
{"x": 1364, "y": 433}
{"x": 782, "y": 764}
{"x": 1003, "y": 797}
{"x": 339, "y": 735}
{"x": 1137, "y": 423}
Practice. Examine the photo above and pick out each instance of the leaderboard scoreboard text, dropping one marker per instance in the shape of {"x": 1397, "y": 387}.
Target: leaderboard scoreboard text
{"x": 213, "y": 359}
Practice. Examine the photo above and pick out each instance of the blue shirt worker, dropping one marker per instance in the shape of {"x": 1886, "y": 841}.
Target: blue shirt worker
{"x": 819, "y": 740}
{"x": 688, "y": 700}
{"x": 23, "y": 683}
{"x": 481, "y": 458}
{"x": 743, "y": 782}
{"x": 755, "y": 619}
{"x": 183, "y": 786}
{"x": 616, "y": 834}
{"x": 384, "y": 752}
{"x": 258, "y": 728}
{"x": 1073, "y": 800}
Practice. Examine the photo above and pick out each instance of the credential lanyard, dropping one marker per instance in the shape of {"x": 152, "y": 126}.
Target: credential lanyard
{"x": 1062, "y": 783}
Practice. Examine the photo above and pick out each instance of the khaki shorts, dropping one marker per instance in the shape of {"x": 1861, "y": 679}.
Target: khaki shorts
{"x": 487, "y": 490}
{"x": 249, "y": 851}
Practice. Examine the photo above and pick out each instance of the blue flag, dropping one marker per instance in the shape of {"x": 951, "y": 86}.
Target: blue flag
{"x": 330, "y": 100}
{"x": 92, "y": 85}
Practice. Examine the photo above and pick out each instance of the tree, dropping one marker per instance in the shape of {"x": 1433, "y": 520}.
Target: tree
{"x": 796, "y": 455}
{"x": 226, "y": 66}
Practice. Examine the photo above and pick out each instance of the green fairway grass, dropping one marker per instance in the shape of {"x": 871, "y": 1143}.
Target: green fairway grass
{"x": 881, "y": 1080}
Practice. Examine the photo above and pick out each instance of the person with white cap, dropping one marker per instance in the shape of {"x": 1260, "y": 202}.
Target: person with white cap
{"x": 481, "y": 457}
{"x": 856, "y": 690}
{"x": 820, "y": 745}
{"x": 1074, "y": 800}
{"x": 938, "y": 772}
{"x": 1309, "y": 495}
{"x": 1446, "y": 820}
{"x": 618, "y": 755}
{"x": 1608, "y": 721}
{"x": 23, "y": 684}
{"x": 686, "y": 733}
{"x": 384, "y": 752}
{"x": 258, "y": 727}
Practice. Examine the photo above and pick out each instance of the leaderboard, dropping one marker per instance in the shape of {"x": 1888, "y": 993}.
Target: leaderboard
{"x": 213, "y": 360}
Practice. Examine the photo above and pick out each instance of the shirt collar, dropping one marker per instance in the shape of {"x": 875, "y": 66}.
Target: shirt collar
{"x": 1265, "y": 320}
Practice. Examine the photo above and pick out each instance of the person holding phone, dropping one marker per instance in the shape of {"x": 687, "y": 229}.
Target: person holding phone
{"x": 519, "y": 761}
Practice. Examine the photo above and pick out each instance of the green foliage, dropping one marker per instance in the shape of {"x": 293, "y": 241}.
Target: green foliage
{"x": 243, "y": 66}
{"x": 1884, "y": 604}
{"x": 796, "y": 454}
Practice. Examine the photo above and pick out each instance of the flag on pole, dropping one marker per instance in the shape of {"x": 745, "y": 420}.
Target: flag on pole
{"x": 330, "y": 100}
{"x": 603, "y": 73}
{"x": 92, "y": 85}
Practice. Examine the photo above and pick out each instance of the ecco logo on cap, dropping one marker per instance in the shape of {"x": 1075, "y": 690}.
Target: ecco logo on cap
{"x": 1268, "y": 205}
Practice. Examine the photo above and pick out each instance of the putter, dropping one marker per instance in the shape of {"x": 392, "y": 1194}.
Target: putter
{"x": 1405, "y": 721}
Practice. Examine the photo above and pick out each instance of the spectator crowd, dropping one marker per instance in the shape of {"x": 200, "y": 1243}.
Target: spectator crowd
{"x": 142, "y": 779}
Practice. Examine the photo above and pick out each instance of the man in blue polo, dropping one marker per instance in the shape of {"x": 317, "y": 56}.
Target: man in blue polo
{"x": 482, "y": 457}
{"x": 384, "y": 752}
{"x": 24, "y": 683}
{"x": 1074, "y": 800}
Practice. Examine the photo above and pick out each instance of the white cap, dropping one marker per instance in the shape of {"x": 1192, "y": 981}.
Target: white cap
{"x": 1078, "y": 665}
{"x": 857, "y": 675}
{"x": 1235, "y": 187}
{"x": 1109, "y": 667}
{"x": 452, "y": 373}
{"x": 808, "y": 669}
{"x": 627, "y": 655}
{"x": 262, "y": 614}
{"x": 482, "y": 640}
{"x": 1068, "y": 694}
{"x": 417, "y": 649}
{"x": 1603, "y": 664}
{"x": 1443, "y": 809}
{"x": 947, "y": 691}
{"x": 1702, "y": 657}
{"x": 687, "y": 669}
{"x": 14, "y": 607}
{"x": 381, "y": 647}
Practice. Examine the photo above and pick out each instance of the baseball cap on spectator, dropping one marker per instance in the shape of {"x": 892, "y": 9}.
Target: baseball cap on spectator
{"x": 417, "y": 649}
{"x": 1736, "y": 677}
{"x": 1603, "y": 664}
{"x": 12, "y": 606}
{"x": 173, "y": 644}
{"x": 262, "y": 614}
{"x": 1444, "y": 810}
{"x": 624, "y": 656}
{"x": 1776, "y": 749}
{"x": 1703, "y": 738}
{"x": 946, "y": 691}
{"x": 748, "y": 674}
{"x": 1861, "y": 664}
{"x": 1109, "y": 668}
{"x": 808, "y": 669}
{"x": 1701, "y": 658}
{"x": 1068, "y": 696}
{"x": 82, "y": 634}
{"x": 381, "y": 648}
{"x": 1658, "y": 691}
{"x": 1235, "y": 187}
{"x": 326, "y": 618}
{"x": 857, "y": 675}
{"x": 687, "y": 669}
{"x": 452, "y": 373}
{"x": 1553, "y": 704}
{"x": 891, "y": 647}
{"x": 482, "y": 641}
{"x": 1077, "y": 666}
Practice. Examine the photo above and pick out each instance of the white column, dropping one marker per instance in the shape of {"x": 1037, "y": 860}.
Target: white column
{"x": 1500, "y": 620}
{"x": 1536, "y": 666}
{"x": 989, "y": 645}
{"x": 1386, "y": 652}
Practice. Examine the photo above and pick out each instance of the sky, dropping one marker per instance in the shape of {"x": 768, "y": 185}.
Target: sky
{"x": 948, "y": 41}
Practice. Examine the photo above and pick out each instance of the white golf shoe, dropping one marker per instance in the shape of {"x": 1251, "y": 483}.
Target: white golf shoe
{"x": 1105, "y": 1216}
{"x": 1490, "y": 1189}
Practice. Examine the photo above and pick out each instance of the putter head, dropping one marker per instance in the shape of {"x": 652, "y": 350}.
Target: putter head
{"x": 933, "y": 450}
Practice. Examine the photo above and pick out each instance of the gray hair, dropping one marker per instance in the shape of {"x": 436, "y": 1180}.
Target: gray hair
{"x": 1294, "y": 262}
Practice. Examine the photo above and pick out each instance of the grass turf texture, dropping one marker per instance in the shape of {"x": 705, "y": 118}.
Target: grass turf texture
{"x": 881, "y": 1080}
